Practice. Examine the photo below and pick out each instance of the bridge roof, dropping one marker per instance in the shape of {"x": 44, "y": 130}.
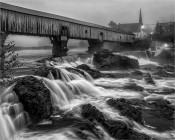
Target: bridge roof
{"x": 53, "y": 16}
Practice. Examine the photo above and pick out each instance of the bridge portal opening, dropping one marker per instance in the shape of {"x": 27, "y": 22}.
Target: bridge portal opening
{"x": 31, "y": 46}
{"x": 76, "y": 46}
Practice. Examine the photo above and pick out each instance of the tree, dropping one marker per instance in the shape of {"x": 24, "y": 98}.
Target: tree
{"x": 9, "y": 60}
{"x": 112, "y": 24}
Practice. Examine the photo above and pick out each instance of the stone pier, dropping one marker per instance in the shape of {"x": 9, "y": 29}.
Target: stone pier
{"x": 59, "y": 46}
{"x": 95, "y": 45}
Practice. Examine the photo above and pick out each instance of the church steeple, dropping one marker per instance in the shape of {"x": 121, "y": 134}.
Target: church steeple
{"x": 140, "y": 17}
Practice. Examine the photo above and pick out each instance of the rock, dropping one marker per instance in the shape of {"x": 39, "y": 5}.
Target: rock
{"x": 105, "y": 59}
{"x": 137, "y": 73}
{"x": 76, "y": 71}
{"x": 79, "y": 126}
{"x": 165, "y": 56}
{"x": 163, "y": 73}
{"x": 133, "y": 86}
{"x": 126, "y": 109}
{"x": 35, "y": 97}
{"x": 162, "y": 108}
{"x": 117, "y": 129}
{"x": 94, "y": 73}
{"x": 169, "y": 68}
{"x": 164, "y": 90}
{"x": 44, "y": 71}
{"x": 159, "y": 114}
{"x": 148, "y": 79}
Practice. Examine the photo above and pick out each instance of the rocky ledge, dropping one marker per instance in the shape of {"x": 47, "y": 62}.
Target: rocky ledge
{"x": 105, "y": 59}
{"x": 94, "y": 73}
{"x": 118, "y": 129}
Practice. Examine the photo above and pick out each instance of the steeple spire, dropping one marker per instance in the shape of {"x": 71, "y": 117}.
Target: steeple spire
{"x": 140, "y": 17}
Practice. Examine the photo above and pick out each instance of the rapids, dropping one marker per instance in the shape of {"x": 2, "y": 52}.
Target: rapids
{"x": 71, "y": 92}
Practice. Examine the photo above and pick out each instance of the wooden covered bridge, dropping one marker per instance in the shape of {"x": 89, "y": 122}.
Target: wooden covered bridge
{"x": 22, "y": 21}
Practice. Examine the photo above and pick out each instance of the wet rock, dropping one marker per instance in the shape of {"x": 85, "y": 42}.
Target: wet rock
{"x": 148, "y": 79}
{"x": 35, "y": 97}
{"x": 105, "y": 59}
{"x": 137, "y": 73}
{"x": 80, "y": 125}
{"x": 94, "y": 73}
{"x": 117, "y": 129}
{"x": 169, "y": 68}
{"x": 133, "y": 86}
{"x": 76, "y": 71}
{"x": 159, "y": 114}
{"x": 163, "y": 73}
{"x": 44, "y": 71}
{"x": 162, "y": 90}
{"x": 162, "y": 108}
{"x": 126, "y": 109}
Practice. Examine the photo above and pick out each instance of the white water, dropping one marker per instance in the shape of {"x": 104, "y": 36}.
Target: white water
{"x": 69, "y": 94}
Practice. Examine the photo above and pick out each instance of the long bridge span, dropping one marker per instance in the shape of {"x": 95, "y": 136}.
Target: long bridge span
{"x": 23, "y": 21}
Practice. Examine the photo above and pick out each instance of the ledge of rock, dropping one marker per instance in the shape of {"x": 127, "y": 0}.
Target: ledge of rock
{"x": 94, "y": 73}
{"x": 105, "y": 59}
{"x": 35, "y": 97}
{"x": 44, "y": 71}
{"x": 117, "y": 129}
{"x": 126, "y": 109}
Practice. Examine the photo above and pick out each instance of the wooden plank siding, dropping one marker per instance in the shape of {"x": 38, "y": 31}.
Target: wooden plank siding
{"x": 21, "y": 22}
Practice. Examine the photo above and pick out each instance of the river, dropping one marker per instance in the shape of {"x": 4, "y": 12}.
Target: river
{"x": 93, "y": 91}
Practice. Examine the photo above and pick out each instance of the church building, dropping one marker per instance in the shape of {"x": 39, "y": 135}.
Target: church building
{"x": 136, "y": 28}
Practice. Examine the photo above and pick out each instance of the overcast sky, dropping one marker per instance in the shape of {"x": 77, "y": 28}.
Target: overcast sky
{"x": 103, "y": 11}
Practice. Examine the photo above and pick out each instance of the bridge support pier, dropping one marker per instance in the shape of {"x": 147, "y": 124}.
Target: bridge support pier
{"x": 59, "y": 46}
{"x": 95, "y": 45}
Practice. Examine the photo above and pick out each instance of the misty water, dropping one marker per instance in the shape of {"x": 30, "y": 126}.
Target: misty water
{"x": 84, "y": 89}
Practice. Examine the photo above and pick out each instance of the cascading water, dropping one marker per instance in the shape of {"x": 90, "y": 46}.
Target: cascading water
{"x": 71, "y": 90}
{"x": 12, "y": 116}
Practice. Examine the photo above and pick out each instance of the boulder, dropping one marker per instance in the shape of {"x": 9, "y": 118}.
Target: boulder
{"x": 169, "y": 68}
{"x": 35, "y": 97}
{"x": 94, "y": 73}
{"x": 159, "y": 114}
{"x": 105, "y": 59}
{"x": 117, "y": 129}
{"x": 126, "y": 109}
{"x": 137, "y": 73}
{"x": 165, "y": 71}
{"x": 133, "y": 86}
{"x": 148, "y": 79}
{"x": 44, "y": 71}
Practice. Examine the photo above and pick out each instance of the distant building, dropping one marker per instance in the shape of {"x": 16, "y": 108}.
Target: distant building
{"x": 164, "y": 28}
{"x": 164, "y": 32}
{"x": 136, "y": 28}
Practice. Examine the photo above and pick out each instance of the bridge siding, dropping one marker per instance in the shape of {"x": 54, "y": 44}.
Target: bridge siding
{"x": 19, "y": 23}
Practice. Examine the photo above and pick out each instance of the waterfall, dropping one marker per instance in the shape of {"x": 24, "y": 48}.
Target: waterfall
{"x": 12, "y": 116}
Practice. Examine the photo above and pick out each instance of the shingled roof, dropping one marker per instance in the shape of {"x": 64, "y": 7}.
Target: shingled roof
{"x": 130, "y": 27}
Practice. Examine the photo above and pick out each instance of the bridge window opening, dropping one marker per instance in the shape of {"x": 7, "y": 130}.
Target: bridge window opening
{"x": 31, "y": 47}
{"x": 86, "y": 31}
{"x": 64, "y": 31}
{"x": 120, "y": 38}
{"x": 101, "y": 33}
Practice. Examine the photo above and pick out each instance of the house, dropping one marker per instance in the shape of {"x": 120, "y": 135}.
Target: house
{"x": 164, "y": 28}
{"x": 164, "y": 31}
{"x": 136, "y": 28}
